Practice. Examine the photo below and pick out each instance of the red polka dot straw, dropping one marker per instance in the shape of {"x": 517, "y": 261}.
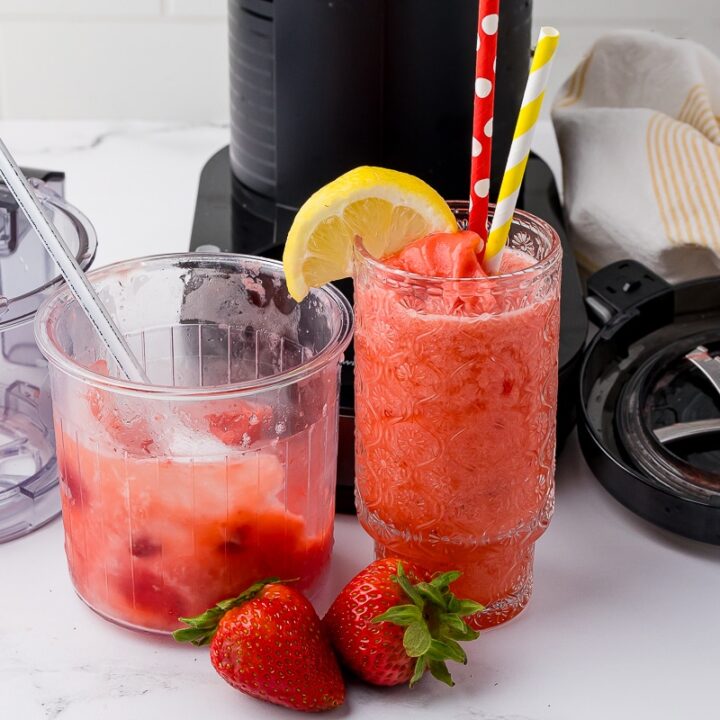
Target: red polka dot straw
{"x": 481, "y": 151}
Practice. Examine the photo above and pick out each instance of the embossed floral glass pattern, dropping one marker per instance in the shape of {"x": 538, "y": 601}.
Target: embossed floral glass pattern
{"x": 456, "y": 392}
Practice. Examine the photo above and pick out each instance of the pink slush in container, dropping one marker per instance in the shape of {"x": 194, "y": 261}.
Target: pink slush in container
{"x": 222, "y": 471}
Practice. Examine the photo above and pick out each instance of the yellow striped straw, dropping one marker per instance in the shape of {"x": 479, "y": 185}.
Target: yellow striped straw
{"x": 520, "y": 148}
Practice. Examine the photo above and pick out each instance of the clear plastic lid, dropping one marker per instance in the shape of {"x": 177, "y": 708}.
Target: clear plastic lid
{"x": 27, "y": 273}
{"x": 29, "y": 495}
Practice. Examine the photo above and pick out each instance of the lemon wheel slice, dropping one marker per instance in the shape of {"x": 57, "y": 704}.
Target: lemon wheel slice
{"x": 386, "y": 208}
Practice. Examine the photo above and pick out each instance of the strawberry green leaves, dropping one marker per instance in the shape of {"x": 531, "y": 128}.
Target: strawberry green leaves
{"x": 417, "y": 639}
{"x": 202, "y": 628}
{"x": 402, "y": 615}
{"x": 434, "y": 624}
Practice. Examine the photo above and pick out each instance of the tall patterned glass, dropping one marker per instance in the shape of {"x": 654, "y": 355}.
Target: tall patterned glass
{"x": 456, "y": 394}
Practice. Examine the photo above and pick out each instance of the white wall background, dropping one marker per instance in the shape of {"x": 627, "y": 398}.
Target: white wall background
{"x": 167, "y": 59}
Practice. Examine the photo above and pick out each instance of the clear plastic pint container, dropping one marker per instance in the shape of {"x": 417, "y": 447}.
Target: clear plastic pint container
{"x": 220, "y": 472}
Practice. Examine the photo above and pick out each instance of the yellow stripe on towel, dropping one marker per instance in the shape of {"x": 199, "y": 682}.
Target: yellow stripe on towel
{"x": 697, "y": 111}
{"x": 685, "y": 172}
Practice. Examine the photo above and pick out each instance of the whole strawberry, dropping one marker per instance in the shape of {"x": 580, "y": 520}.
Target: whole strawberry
{"x": 391, "y": 623}
{"x": 268, "y": 642}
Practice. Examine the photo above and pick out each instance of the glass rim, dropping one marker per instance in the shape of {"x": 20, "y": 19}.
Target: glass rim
{"x": 63, "y": 298}
{"x": 538, "y": 268}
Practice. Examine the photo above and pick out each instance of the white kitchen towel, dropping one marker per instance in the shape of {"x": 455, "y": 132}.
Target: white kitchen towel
{"x": 638, "y": 124}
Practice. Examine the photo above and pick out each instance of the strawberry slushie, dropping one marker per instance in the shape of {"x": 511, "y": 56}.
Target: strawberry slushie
{"x": 456, "y": 386}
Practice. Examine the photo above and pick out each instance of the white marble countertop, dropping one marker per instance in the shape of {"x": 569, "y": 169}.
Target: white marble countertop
{"x": 623, "y": 622}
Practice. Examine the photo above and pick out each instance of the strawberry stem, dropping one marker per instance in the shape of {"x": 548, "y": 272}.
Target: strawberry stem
{"x": 434, "y": 624}
{"x": 202, "y": 628}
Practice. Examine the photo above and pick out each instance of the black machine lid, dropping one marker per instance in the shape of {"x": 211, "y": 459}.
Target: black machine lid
{"x": 650, "y": 397}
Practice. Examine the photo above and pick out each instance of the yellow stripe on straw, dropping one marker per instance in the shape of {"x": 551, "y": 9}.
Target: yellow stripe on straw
{"x": 520, "y": 148}
{"x": 528, "y": 116}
